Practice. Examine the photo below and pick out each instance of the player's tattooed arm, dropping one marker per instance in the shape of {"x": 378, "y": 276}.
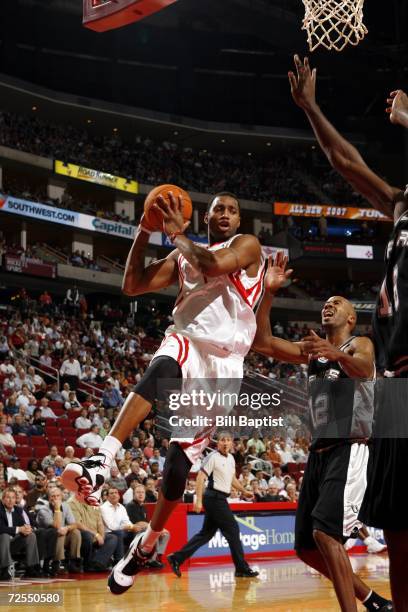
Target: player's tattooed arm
{"x": 398, "y": 108}
{"x": 342, "y": 155}
{"x": 139, "y": 278}
{"x": 265, "y": 342}
{"x": 357, "y": 362}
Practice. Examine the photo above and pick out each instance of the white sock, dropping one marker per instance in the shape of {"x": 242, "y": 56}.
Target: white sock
{"x": 368, "y": 597}
{"x": 149, "y": 539}
{"x": 367, "y": 540}
{"x": 110, "y": 447}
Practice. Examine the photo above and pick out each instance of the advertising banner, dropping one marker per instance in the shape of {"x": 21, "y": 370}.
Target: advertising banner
{"x": 328, "y": 210}
{"x": 28, "y": 265}
{"x": 95, "y": 176}
{"x": 259, "y": 533}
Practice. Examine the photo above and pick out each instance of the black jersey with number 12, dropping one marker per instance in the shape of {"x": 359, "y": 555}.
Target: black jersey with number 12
{"x": 341, "y": 408}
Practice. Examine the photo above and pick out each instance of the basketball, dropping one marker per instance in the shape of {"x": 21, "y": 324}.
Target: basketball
{"x": 154, "y": 216}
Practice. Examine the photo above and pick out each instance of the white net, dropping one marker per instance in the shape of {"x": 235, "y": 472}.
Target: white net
{"x": 333, "y": 23}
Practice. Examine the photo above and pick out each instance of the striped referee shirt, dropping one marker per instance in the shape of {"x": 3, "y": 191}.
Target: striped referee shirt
{"x": 220, "y": 470}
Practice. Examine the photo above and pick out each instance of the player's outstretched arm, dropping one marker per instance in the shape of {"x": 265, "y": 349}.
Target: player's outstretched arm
{"x": 265, "y": 342}
{"x": 398, "y": 108}
{"x": 342, "y": 155}
{"x": 244, "y": 251}
{"x": 139, "y": 278}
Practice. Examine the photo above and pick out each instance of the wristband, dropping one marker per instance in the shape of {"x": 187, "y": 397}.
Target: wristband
{"x": 174, "y": 235}
{"x": 57, "y": 511}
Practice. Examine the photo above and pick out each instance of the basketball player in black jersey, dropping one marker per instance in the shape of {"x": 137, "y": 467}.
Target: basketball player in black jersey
{"x": 341, "y": 372}
{"x": 384, "y": 505}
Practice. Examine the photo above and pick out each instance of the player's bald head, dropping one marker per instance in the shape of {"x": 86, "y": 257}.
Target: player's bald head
{"x": 338, "y": 311}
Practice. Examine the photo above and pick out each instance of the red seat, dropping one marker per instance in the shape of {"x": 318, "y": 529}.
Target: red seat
{"x": 55, "y": 440}
{"x": 55, "y": 405}
{"x": 41, "y": 452}
{"x": 24, "y": 451}
{"x": 24, "y": 484}
{"x": 52, "y": 430}
{"x": 24, "y": 462}
{"x": 38, "y": 441}
{"x": 59, "y": 411}
{"x": 70, "y": 440}
{"x": 292, "y": 467}
{"x": 22, "y": 440}
{"x": 64, "y": 423}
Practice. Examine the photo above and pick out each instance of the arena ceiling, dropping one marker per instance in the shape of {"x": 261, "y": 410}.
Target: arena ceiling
{"x": 210, "y": 60}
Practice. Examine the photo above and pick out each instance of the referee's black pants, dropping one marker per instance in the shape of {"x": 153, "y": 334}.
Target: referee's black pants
{"x": 218, "y": 515}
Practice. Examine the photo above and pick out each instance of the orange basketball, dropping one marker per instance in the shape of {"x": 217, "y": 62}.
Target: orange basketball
{"x": 154, "y": 216}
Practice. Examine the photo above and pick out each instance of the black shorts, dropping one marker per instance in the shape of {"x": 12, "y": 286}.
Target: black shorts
{"x": 332, "y": 492}
{"x": 384, "y": 504}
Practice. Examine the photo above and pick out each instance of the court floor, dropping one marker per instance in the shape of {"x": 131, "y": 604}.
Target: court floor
{"x": 284, "y": 585}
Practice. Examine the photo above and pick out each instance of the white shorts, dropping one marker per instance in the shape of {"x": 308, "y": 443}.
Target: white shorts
{"x": 201, "y": 364}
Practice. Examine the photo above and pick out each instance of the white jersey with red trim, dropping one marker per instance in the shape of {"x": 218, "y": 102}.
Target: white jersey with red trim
{"x": 220, "y": 310}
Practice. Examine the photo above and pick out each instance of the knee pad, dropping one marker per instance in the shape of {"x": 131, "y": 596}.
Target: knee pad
{"x": 175, "y": 472}
{"x": 150, "y": 387}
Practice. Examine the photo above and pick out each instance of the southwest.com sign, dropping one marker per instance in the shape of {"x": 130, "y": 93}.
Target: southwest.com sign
{"x": 76, "y": 220}
{"x": 259, "y": 534}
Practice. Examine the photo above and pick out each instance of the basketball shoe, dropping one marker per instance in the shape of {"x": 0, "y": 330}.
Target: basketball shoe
{"x": 86, "y": 478}
{"x": 123, "y": 574}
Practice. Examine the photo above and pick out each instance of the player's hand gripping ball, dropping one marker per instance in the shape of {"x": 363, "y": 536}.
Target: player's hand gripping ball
{"x": 153, "y": 217}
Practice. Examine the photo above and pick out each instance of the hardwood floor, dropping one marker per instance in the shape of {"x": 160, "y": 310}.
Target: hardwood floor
{"x": 283, "y": 586}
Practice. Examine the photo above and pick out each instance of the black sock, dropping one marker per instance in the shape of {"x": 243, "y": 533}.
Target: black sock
{"x": 375, "y": 602}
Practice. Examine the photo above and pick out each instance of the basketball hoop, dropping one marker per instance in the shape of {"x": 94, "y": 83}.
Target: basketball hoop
{"x": 333, "y": 23}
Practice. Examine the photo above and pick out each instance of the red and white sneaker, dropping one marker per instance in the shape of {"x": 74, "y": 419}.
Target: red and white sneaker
{"x": 86, "y": 478}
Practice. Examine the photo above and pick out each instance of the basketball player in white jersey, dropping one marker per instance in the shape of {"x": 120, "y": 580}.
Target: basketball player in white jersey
{"x": 214, "y": 326}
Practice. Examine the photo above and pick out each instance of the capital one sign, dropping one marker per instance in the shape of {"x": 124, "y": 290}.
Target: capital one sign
{"x": 103, "y": 15}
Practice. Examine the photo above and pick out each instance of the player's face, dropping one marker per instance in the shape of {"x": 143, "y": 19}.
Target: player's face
{"x": 336, "y": 312}
{"x": 223, "y": 218}
{"x": 225, "y": 444}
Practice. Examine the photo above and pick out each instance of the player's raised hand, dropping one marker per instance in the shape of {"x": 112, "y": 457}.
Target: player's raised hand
{"x": 276, "y": 272}
{"x": 316, "y": 347}
{"x": 398, "y": 108}
{"x": 303, "y": 83}
{"x": 173, "y": 220}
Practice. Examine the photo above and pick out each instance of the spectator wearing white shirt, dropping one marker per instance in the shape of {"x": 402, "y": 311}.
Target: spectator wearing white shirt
{"x": 65, "y": 392}
{"x": 7, "y": 367}
{"x": 157, "y": 458}
{"x": 36, "y": 379}
{"x": 15, "y": 471}
{"x": 82, "y": 422}
{"x": 70, "y": 455}
{"x": 49, "y": 460}
{"x": 71, "y": 371}
{"x": 116, "y": 520}
{"x": 26, "y": 399}
{"x": 46, "y": 411}
{"x": 246, "y": 476}
{"x": 277, "y": 479}
{"x": 257, "y": 443}
{"x": 72, "y": 402}
{"x": 91, "y": 439}
{"x": 6, "y": 439}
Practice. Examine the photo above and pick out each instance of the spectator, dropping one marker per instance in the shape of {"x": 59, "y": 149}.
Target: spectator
{"x": 111, "y": 397}
{"x": 71, "y": 371}
{"x": 97, "y": 547}
{"x": 138, "y": 516}
{"x": 117, "y": 480}
{"x": 91, "y": 439}
{"x": 70, "y": 455}
{"x": 72, "y": 402}
{"x": 15, "y": 471}
{"x": 46, "y": 411}
{"x": 49, "y": 460}
{"x": 37, "y": 423}
{"x": 136, "y": 473}
{"x": 257, "y": 443}
{"x": 6, "y": 438}
{"x": 116, "y": 520}
{"x": 33, "y": 470}
{"x": 55, "y": 395}
{"x": 59, "y": 465}
{"x": 273, "y": 494}
{"x": 58, "y": 514}
{"x": 151, "y": 491}
{"x": 105, "y": 429}
{"x": 16, "y": 534}
{"x": 277, "y": 479}
{"x": 246, "y": 476}
{"x": 83, "y": 422}
{"x": 39, "y": 490}
{"x": 189, "y": 492}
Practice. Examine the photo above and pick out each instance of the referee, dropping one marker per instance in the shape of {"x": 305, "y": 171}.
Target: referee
{"x": 219, "y": 467}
